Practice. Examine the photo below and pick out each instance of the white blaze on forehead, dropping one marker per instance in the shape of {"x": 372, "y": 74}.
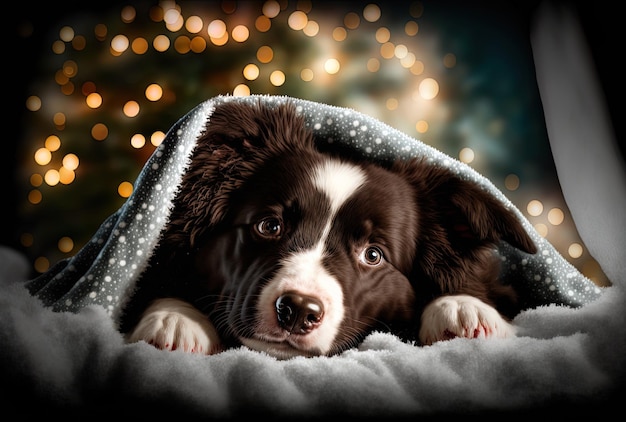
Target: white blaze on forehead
{"x": 338, "y": 181}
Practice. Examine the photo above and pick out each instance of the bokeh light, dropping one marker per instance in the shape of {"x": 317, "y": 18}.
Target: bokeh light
{"x": 217, "y": 29}
{"x": 265, "y": 54}
{"x": 466, "y": 155}
{"x": 421, "y": 126}
{"x": 575, "y": 250}
{"x": 99, "y": 131}
{"x": 66, "y": 244}
{"x": 194, "y": 24}
{"x": 240, "y": 33}
{"x": 43, "y": 156}
{"x": 241, "y": 90}
{"x": 154, "y": 92}
{"x": 161, "y": 43}
{"x": 511, "y": 182}
{"x": 131, "y": 108}
{"x": 251, "y": 72}
{"x": 138, "y": 140}
{"x": 428, "y": 88}
{"x": 271, "y": 8}
{"x": 94, "y": 100}
{"x": 277, "y": 78}
{"x": 125, "y": 189}
{"x": 556, "y": 216}
{"x": 534, "y": 208}
{"x": 263, "y": 23}
{"x": 371, "y": 13}
{"x": 157, "y": 137}
{"x": 119, "y": 44}
{"x": 52, "y": 177}
{"x": 297, "y": 20}
{"x": 33, "y": 103}
{"x": 332, "y": 66}
{"x": 52, "y": 143}
{"x": 128, "y": 14}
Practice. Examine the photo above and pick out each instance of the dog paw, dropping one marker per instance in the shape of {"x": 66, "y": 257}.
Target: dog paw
{"x": 172, "y": 324}
{"x": 453, "y": 316}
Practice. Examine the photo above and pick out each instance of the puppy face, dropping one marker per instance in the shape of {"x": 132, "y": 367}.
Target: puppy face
{"x": 312, "y": 254}
{"x": 292, "y": 251}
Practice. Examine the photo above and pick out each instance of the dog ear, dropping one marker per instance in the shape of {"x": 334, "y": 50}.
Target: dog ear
{"x": 458, "y": 221}
{"x": 238, "y": 139}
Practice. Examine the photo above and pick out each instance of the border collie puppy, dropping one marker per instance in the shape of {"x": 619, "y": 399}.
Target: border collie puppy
{"x": 278, "y": 246}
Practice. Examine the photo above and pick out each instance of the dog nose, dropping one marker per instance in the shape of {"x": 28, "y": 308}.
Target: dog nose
{"x": 298, "y": 313}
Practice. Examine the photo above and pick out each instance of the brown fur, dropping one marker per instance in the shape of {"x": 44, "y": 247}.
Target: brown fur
{"x": 457, "y": 223}
{"x": 460, "y": 226}
{"x": 232, "y": 148}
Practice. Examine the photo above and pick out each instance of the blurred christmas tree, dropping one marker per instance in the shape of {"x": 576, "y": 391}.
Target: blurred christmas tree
{"x": 108, "y": 83}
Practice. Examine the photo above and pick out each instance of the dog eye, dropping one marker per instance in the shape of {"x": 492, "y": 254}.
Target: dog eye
{"x": 269, "y": 227}
{"x": 372, "y": 255}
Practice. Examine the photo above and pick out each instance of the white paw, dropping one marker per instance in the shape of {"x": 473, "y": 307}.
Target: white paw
{"x": 172, "y": 324}
{"x": 461, "y": 316}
